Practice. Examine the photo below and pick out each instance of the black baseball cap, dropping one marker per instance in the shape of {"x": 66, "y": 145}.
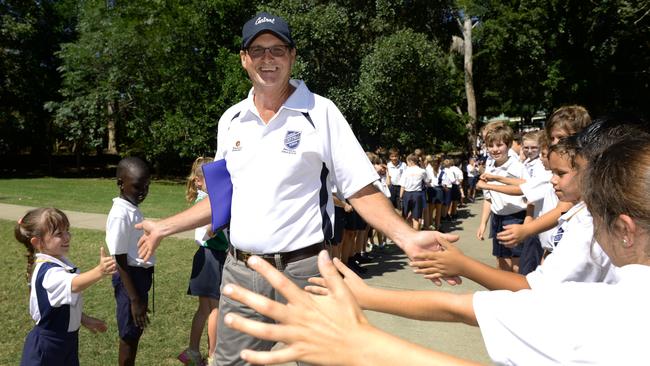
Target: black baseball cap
{"x": 265, "y": 22}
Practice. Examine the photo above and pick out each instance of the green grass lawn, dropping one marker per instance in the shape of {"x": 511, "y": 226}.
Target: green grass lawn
{"x": 89, "y": 195}
{"x": 168, "y": 333}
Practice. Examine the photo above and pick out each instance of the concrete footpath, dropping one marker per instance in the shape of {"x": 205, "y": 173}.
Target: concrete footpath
{"x": 81, "y": 220}
{"x": 390, "y": 270}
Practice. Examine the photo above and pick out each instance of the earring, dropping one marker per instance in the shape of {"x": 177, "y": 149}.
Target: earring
{"x": 625, "y": 243}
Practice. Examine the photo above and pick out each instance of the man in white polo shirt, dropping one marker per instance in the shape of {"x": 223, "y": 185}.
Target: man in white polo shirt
{"x": 284, "y": 146}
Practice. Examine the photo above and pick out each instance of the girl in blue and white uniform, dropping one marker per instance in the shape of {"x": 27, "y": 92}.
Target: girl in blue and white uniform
{"x": 55, "y": 300}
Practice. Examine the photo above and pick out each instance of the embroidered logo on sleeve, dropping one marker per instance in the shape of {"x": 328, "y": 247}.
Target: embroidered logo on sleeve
{"x": 291, "y": 142}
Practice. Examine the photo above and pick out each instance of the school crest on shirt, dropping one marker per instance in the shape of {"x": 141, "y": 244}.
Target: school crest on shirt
{"x": 237, "y": 146}
{"x": 291, "y": 142}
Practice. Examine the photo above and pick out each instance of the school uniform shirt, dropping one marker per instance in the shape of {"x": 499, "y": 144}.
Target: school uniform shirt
{"x": 432, "y": 176}
{"x": 535, "y": 168}
{"x": 395, "y": 171}
{"x": 52, "y": 304}
{"x": 381, "y": 186}
{"x": 292, "y": 208}
{"x": 456, "y": 174}
{"x": 412, "y": 179}
{"x": 577, "y": 257}
{"x": 203, "y": 236}
{"x": 570, "y": 324}
{"x": 447, "y": 179}
{"x": 504, "y": 204}
{"x": 472, "y": 170}
{"x": 539, "y": 191}
{"x": 121, "y": 235}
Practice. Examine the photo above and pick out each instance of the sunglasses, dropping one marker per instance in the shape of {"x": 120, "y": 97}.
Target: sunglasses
{"x": 276, "y": 51}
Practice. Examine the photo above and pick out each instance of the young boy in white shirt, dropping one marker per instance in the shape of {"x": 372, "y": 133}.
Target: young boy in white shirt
{"x": 539, "y": 194}
{"x": 502, "y": 208}
{"x": 412, "y": 183}
{"x": 134, "y": 277}
{"x": 395, "y": 168}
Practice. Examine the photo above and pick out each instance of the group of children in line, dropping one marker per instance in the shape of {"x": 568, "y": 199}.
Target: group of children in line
{"x": 541, "y": 234}
{"x": 56, "y": 284}
{"x": 426, "y": 190}
{"x": 586, "y": 303}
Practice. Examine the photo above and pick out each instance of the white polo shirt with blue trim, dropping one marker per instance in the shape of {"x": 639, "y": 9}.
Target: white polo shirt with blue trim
{"x": 281, "y": 171}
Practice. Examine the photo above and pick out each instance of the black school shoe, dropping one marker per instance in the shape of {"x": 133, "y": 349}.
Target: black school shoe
{"x": 354, "y": 266}
{"x": 362, "y": 258}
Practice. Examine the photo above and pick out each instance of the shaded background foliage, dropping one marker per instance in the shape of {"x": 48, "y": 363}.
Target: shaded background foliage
{"x": 155, "y": 75}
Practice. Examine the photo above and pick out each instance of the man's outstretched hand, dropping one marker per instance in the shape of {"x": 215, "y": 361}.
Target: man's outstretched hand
{"x": 431, "y": 241}
{"x": 150, "y": 239}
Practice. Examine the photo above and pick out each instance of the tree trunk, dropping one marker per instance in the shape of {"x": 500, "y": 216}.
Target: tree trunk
{"x": 112, "y": 145}
{"x": 469, "y": 85}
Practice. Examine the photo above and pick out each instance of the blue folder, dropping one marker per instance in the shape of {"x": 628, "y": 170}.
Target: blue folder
{"x": 219, "y": 186}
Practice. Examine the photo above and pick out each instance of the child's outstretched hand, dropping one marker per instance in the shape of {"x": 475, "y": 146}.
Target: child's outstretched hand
{"x": 444, "y": 263}
{"x": 511, "y": 235}
{"x": 356, "y": 284}
{"x": 489, "y": 177}
{"x": 107, "y": 264}
{"x": 94, "y": 325}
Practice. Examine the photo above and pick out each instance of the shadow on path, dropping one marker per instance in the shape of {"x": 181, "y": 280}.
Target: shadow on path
{"x": 390, "y": 258}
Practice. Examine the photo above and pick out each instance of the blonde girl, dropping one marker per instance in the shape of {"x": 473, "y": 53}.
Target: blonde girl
{"x": 207, "y": 267}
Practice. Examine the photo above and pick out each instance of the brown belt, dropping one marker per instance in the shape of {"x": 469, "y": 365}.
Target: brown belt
{"x": 280, "y": 260}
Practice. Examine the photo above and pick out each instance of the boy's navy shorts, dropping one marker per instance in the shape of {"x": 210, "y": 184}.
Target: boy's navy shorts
{"x": 498, "y": 222}
{"x": 339, "y": 224}
{"x": 455, "y": 193}
{"x": 446, "y": 196}
{"x": 394, "y": 194}
{"x": 141, "y": 278}
{"x": 472, "y": 182}
{"x": 354, "y": 221}
{"x": 435, "y": 195}
{"x": 531, "y": 255}
{"x": 413, "y": 202}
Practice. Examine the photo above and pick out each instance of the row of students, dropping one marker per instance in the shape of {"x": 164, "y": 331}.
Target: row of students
{"x": 525, "y": 186}
{"x": 576, "y": 314}
{"x": 351, "y": 232}
{"x": 439, "y": 189}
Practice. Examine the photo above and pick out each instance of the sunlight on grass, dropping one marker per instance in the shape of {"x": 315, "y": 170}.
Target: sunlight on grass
{"x": 89, "y": 195}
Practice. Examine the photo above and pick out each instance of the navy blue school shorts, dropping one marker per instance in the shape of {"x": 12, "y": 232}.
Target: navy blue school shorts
{"x": 446, "y": 196}
{"x": 394, "y": 194}
{"x": 472, "y": 182}
{"x": 207, "y": 267}
{"x": 354, "y": 222}
{"x": 531, "y": 255}
{"x": 413, "y": 202}
{"x": 498, "y": 222}
{"x": 339, "y": 224}
{"x": 435, "y": 195}
{"x": 455, "y": 193}
{"x": 141, "y": 278}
